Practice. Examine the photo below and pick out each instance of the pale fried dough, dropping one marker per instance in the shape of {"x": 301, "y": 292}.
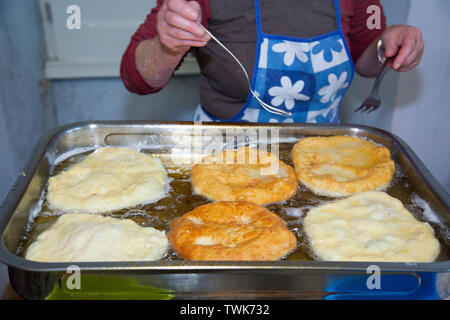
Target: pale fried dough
{"x": 108, "y": 179}
{"x": 369, "y": 226}
{"x": 78, "y": 237}
{"x": 236, "y": 230}
{"x": 246, "y": 174}
{"x": 339, "y": 166}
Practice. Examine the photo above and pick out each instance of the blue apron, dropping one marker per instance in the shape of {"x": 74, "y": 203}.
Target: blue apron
{"x": 307, "y": 77}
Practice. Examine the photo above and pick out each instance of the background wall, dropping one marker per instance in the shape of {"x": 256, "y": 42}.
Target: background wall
{"x": 415, "y": 104}
{"x": 106, "y": 99}
{"x": 26, "y": 110}
{"x": 26, "y": 105}
{"x": 422, "y": 104}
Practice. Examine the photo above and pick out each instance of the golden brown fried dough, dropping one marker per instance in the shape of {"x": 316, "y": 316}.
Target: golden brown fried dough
{"x": 237, "y": 230}
{"x": 339, "y": 166}
{"x": 246, "y": 174}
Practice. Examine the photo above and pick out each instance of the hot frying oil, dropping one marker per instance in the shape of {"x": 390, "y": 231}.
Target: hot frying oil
{"x": 181, "y": 199}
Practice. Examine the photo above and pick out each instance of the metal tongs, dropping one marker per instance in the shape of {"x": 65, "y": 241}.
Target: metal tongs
{"x": 262, "y": 103}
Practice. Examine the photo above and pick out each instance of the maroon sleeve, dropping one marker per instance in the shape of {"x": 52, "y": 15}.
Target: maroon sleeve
{"x": 360, "y": 36}
{"x": 131, "y": 77}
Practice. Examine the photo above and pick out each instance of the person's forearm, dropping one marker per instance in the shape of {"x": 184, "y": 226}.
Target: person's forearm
{"x": 156, "y": 64}
{"x": 368, "y": 65}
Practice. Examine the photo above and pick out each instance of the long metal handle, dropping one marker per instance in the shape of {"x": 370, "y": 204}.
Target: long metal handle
{"x": 386, "y": 67}
{"x": 266, "y": 106}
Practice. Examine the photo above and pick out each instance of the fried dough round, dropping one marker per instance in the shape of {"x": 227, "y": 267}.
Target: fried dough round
{"x": 82, "y": 237}
{"x": 246, "y": 174}
{"x": 369, "y": 226}
{"x": 339, "y": 166}
{"x": 108, "y": 179}
{"x": 235, "y": 230}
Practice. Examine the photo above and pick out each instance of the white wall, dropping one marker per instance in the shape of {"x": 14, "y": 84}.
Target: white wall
{"x": 7, "y": 173}
{"x": 422, "y": 105}
{"x": 107, "y": 99}
{"x": 26, "y": 111}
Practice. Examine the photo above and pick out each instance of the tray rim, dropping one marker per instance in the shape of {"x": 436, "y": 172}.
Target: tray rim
{"x": 11, "y": 201}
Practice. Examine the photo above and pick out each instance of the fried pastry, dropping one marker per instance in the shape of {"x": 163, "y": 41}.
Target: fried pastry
{"x": 236, "y": 230}
{"x": 108, "y": 179}
{"x": 369, "y": 226}
{"x": 246, "y": 174}
{"x": 339, "y": 166}
{"x": 78, "y": 237}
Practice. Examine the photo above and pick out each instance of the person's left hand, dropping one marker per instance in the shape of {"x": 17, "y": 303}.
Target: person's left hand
{"x": 405, "y": 43}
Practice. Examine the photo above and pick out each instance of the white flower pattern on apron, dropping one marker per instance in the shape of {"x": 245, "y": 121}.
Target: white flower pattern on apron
{"x": 292, "y": 50}
{"x": 287, "y": 93}
{"x": 329, "y": 91}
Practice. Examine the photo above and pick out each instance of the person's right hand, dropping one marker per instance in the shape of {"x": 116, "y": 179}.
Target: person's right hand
{"x": 178, "y": 30}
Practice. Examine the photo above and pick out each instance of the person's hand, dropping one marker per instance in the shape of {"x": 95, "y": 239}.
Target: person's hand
{"x": 177, "y": 26}
{"x": 405, "y": 43}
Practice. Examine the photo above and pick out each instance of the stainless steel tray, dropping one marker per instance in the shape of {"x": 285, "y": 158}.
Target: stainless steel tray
{"x": 192, "y": 279}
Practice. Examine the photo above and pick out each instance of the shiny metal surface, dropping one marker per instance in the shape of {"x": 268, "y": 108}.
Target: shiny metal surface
{"x": 191, "y": 279}
{"x": 266, "y": 106}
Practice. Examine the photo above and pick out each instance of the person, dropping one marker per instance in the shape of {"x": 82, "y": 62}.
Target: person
{"x": 300, "y": 55}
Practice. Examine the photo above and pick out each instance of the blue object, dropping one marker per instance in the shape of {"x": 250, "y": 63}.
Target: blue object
{"x": 411, "y": 286}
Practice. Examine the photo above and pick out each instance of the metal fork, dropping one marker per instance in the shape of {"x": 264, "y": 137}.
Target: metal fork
{"x": 262, "y": 103}
{"x": 373, "y": 102}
